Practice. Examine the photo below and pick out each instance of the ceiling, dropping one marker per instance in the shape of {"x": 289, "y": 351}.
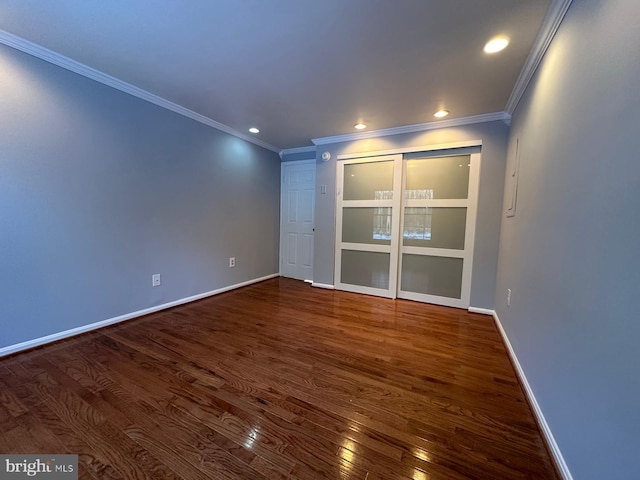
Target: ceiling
{"x": 296, "y": 69}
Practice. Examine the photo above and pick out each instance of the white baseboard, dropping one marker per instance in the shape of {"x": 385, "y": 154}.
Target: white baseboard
{"x": 483, "y": 311}
{"x": 323, "y": 285}
{"x": 128, "y": 316}
{"x": 542, "y": 422}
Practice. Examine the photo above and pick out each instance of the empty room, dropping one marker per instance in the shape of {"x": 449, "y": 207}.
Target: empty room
{"x": 302, "y": 239}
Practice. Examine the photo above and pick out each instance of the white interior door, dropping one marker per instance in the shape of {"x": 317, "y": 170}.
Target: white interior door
{"x": 297, "y": 197}
{"x": 405, "y": 227}
{"x": 367, "y": 224}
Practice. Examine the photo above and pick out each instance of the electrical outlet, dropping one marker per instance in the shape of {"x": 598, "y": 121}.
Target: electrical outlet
{"x": 232, "y": 262}
{"x": 155, "y": 280}
{"x": 508, "y": 297}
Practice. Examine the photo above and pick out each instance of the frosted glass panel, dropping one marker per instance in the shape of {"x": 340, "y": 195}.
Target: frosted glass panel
{"x": 368, "y": 181}
{"x": 434, "y": 227}
{"x": 441, "y": 276}
{"x": 367, "y": 269}
{"x": 367, "y": 225}
{"x": 440, "y": 177}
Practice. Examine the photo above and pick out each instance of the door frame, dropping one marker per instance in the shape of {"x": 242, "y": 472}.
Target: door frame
{"x": 283, "y": 165}
{"x": 471, "y": 147}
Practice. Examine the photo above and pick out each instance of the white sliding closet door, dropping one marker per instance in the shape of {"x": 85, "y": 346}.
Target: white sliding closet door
{"x": 438, "y": 229}
{"x": 367, "y": 225}
{"x": 405, "y": 228}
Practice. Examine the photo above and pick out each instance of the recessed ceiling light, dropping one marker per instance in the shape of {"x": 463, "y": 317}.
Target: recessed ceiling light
{"x": 359, "y": 126}
{"x": 254, "y": 130}
{"x": 441, "y": 113}
{"x": 496, "y": 45}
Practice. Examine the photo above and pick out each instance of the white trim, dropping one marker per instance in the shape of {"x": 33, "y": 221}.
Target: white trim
{"x": 482, "y": 311}
{"x": 367, "y": 203}
{"x": 54, "y": 58}
{"x": 366, "y": 247}
{"x": 423, "y": 148}
{"x": 323, "y": 285}
{"x": 550, "y": 25}
{"x": 291, "y": 151}
{"x": 128, "y": 316}
{"x": 435, "y": 252}
{"x": 297, "y": 162}
{"x": 309, "y": 161}
{"x": 470, "y": 231}
{"x": 420, "y": 127}
{"x": 437, "y": 203}
{"x": 542, "y": 422}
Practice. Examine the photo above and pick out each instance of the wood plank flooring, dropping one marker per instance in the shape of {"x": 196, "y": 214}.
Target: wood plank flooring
{"x": 279, "y": 380}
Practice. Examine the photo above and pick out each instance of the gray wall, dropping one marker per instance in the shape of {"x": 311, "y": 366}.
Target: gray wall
{"x": 571, "y": 255}
{"x": 494, "y": 139}
{"x": 296, "y": 157}
{"x": 99, "y": 190}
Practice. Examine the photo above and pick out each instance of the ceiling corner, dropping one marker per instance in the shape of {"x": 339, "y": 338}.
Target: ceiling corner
{"x": 548, "y": 29}
{"x": 59, "y": 60}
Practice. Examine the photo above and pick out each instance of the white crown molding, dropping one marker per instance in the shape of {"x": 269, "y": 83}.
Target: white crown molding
{"x": 550, "y": 25}
{"x": 290, "y": 151}
{"x": 420, "y": 127}
{"x": 54, "y": 58}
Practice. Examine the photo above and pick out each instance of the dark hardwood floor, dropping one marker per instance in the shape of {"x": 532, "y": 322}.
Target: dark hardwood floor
{"x": 279, "y": 380}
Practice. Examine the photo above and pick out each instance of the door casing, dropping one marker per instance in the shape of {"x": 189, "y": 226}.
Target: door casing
{"x": 302, "y": 267}
{"x": 473, "y": 149}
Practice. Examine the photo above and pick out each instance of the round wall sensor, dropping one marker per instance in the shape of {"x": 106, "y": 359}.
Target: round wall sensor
{"x": 326, "y": 156}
